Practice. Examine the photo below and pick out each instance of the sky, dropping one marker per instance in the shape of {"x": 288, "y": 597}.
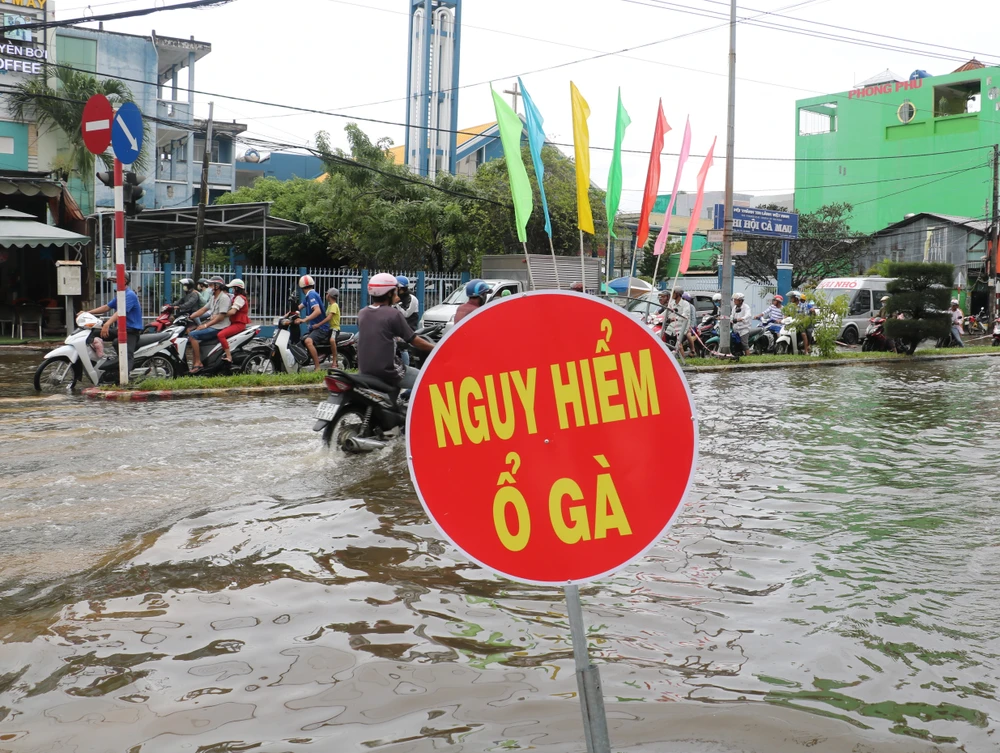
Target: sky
{"x": 350, "y": 56}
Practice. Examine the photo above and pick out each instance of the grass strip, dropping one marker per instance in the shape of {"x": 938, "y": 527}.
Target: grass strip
{"x": 885, "y": 356}
{"x": 224, "y": 382}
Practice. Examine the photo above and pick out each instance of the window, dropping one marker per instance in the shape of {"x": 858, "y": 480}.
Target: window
{"x": 957, "y": 99}
{"x": 817, "y": 119}
{"x": 906, "y": 111}
{"x": 861, "y": 304}
{"x": 77, "y": 52}
{"x": 6, "y": 144}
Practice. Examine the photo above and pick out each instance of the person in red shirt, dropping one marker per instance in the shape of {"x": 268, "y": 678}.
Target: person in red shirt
{"x": 239, "y": 316}
{"x": 476, "y": 290}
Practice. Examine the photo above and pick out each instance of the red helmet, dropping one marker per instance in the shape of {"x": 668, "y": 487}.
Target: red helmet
{"x": 381, "y": 284}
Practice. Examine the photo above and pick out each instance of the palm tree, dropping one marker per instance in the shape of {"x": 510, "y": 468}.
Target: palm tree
{"x": 61, "y": 108}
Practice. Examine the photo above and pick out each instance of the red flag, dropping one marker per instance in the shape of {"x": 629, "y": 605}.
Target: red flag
{"x": 652, "y": 177}
{"x": 695, "y": 212}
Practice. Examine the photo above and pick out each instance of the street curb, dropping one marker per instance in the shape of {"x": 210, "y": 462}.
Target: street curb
{"x": 817, "y": 362}
{"x": 147, "y": 395}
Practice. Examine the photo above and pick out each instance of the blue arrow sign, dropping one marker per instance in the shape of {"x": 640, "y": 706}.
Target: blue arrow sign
{"x": 126, "y": 133}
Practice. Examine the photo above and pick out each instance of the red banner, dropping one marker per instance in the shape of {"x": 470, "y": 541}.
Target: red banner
{"x": 652, "y": 177}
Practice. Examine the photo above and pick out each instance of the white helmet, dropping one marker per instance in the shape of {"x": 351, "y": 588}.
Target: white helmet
{"x": 236, "y": 282}
{"x": 306, "y": 281}
{"x": 954, "y": 301}
{"x": 381, "y": 284}
{"x": 87, "y": 320}
{"x": 738, "y": 297}
{"x": 717, "y": 297}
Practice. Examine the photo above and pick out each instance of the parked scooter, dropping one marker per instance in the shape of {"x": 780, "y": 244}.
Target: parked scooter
{"x": 160, "y": 323}
{"x": 875, "y": 339}
{"x": 360, "y": 414}
{"x": 764, "y": 339}
{"x": 789, "y": 339}
{"x": 996, "y": 333}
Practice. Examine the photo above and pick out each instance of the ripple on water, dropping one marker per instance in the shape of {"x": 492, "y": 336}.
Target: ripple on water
{"x": 831, "y": 586}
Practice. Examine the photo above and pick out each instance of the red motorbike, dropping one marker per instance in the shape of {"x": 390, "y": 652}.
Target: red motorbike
{"x": 160, "y": 323}
{"x": 875, "y": 339}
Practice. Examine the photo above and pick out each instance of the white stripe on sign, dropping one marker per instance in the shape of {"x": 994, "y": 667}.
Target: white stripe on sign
{"x": 97, "y": 125}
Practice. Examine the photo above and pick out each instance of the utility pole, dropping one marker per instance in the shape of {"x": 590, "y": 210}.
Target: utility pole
{"x": 993, "y": 254}
{"x": 727, "y": 232}
{"x": 199, "y": 232}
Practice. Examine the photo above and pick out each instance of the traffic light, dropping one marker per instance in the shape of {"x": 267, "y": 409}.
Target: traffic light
{"x": 132, "y": 193}
{"x": 107, "y": 179}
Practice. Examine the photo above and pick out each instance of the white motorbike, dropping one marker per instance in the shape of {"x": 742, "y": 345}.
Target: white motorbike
{"x": 84, "y": 353}
{"x": 788, "y": 340}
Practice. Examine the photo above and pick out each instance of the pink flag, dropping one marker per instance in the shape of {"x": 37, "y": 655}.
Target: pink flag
{"x": 652, "y": 177}
{"x": 696, "y": 212}
{"x": 661, "y": 239}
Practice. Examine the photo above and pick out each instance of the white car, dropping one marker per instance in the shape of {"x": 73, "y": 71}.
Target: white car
{"x": 444, "y": 312}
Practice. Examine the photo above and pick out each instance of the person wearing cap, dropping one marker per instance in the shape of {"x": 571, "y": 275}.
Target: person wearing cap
{"x": 683, "y": 318}
{"x": 407, "y": 304}
{"x": 740, "y": 318}
{"x": 775, "y": 313}
{"x": 957, "y": 317}
{"x": 884, "y": 309}
{"x": 476, "y": 291}
{"x": 238, "y": 313}
{"x": 318, "y": 333}
{"x": 190, "y": 300}
{"x": 133, "y": 319}
{"x": 218, "y": 319}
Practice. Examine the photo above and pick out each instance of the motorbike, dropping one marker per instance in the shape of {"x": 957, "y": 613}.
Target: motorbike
{"x": 875, "y": 339}
{"x": 976, "y": 324}
{"x": 736, "y": 348}
{"x": 160, "y": 323}
{"x": 764, "y": 338}
{"x": 996, "y": 334}
{"x": 282, "y": 351}
{"x": 789, "y": 340}
{"x": 432, "y": 332}
{"x": 85, "y": 353}
{"x": 361, "y": 413}
{"x": 211, "y": 352}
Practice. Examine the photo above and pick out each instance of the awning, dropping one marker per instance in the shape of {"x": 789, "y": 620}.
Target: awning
{"x": 224, "y": 223}
{"x": 21, "y": 230}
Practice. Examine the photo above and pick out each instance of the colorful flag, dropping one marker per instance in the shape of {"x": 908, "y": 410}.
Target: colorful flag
{"x": 536, "y": 140}
{"x": 614, "y": 195}
{"x": 511, "y": 128}
{"x": 652, "y": 177}
{"x": 661, "y": 239}
{"x": 581, "y": 146}
{"x": 696, "y": 212}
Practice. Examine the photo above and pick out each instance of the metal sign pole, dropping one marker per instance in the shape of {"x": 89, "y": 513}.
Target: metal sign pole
{"x": 588, "y": 679}
{"x": 123, "y": 370}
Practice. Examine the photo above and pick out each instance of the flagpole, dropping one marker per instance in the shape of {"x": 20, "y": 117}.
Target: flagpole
{"x": 608, "y": 256}
{"x": 583, "y": 265}
{"x": 531, "y": 277}
{"x": 555, "y": 267}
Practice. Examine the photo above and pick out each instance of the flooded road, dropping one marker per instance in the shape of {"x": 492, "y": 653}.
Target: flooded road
{"x": 199, "y": 575}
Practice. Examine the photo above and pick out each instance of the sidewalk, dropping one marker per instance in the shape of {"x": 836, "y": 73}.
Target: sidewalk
{"x": 808, "y": 361}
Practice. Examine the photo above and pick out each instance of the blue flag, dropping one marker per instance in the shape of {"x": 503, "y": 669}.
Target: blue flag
{"x": 536, "y": 139}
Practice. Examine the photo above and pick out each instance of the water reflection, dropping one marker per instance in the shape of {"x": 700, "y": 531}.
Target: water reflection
{"x": 830, "y": 587}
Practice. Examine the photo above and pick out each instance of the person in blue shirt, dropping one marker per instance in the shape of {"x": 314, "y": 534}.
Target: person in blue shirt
{"x": 133, "y": 319}
{"x": 313, "y": 316}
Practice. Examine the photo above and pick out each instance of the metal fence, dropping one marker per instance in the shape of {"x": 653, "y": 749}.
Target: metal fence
{"x": 271, "y": 290}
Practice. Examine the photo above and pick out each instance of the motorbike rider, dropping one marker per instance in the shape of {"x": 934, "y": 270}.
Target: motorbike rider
{"x": 804, "y": 309}
{"x": 957, "y": 317}
{"x": 577, "y": 287}
{"x": 408, "y": 304}
{"x": 716, "y": 305}
{"x": 682, "y": 314}
{"x": 379, "y": 324}
{"x": 476, "y": 290}
{"x": 218, "y": 311}
{"x": 775, "y": 312}
{"x": 318, "y": 334}
{"x": 190, "y": 300}
{"x": 239, "y": 316}
{"x": 133, "y": 319}
{"x": 883, "y": 312}
{"x": 740, "y": 319}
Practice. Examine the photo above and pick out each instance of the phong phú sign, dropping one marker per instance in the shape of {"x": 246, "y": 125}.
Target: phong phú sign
{"x": 561, "y": 459}
{"x": 887, "y": 88}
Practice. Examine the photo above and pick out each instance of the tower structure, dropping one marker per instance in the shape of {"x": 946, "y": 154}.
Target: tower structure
{"x": 432, "y": 93}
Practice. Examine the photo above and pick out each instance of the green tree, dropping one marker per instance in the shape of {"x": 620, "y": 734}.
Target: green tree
{"x": 826, "y": 247}
{"x": 921, "y": 293}
{"x": 60, "y": 107}
{"x": 647, "y": 264}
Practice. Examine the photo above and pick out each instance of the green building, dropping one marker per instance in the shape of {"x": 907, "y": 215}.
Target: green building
{"x": 931, "y": 139}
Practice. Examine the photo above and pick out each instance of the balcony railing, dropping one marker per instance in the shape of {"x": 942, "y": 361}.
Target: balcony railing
{"x": 173, "y": 110}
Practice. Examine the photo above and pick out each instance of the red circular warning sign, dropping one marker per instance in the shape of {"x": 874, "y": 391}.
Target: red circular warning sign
{"x": 551, "y": 437}
{"x": 96, "y": 124}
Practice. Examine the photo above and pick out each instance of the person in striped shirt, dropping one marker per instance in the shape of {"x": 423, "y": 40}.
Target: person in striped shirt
{"x": 775, "y": 312}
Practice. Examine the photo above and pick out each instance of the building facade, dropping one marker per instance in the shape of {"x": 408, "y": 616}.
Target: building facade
{"x": 892, "y": 147}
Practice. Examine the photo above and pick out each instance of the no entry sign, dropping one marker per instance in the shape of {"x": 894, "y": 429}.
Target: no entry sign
{"x": 551, "y": 438}
{"x": 96, "y": 124}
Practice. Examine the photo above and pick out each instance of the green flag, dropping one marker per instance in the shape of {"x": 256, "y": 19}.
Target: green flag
{"x": 511, "y": 128}
{"x": 614, "y": 195}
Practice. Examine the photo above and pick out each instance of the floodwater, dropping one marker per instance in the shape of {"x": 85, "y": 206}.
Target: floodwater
{"x": 199, "y": 575}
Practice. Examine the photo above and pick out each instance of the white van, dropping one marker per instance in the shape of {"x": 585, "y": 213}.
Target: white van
{"x": 865, "y": 294}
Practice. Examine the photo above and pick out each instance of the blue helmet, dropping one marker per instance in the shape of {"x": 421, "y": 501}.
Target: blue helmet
{"x": 403, "y": 281}
{"x": 477, "y": 288}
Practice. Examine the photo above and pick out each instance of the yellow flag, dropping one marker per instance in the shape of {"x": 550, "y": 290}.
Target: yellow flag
{"x": 581, "y": 145}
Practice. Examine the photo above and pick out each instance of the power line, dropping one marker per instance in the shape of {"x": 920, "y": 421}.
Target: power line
{"x": 122, "y": 14}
